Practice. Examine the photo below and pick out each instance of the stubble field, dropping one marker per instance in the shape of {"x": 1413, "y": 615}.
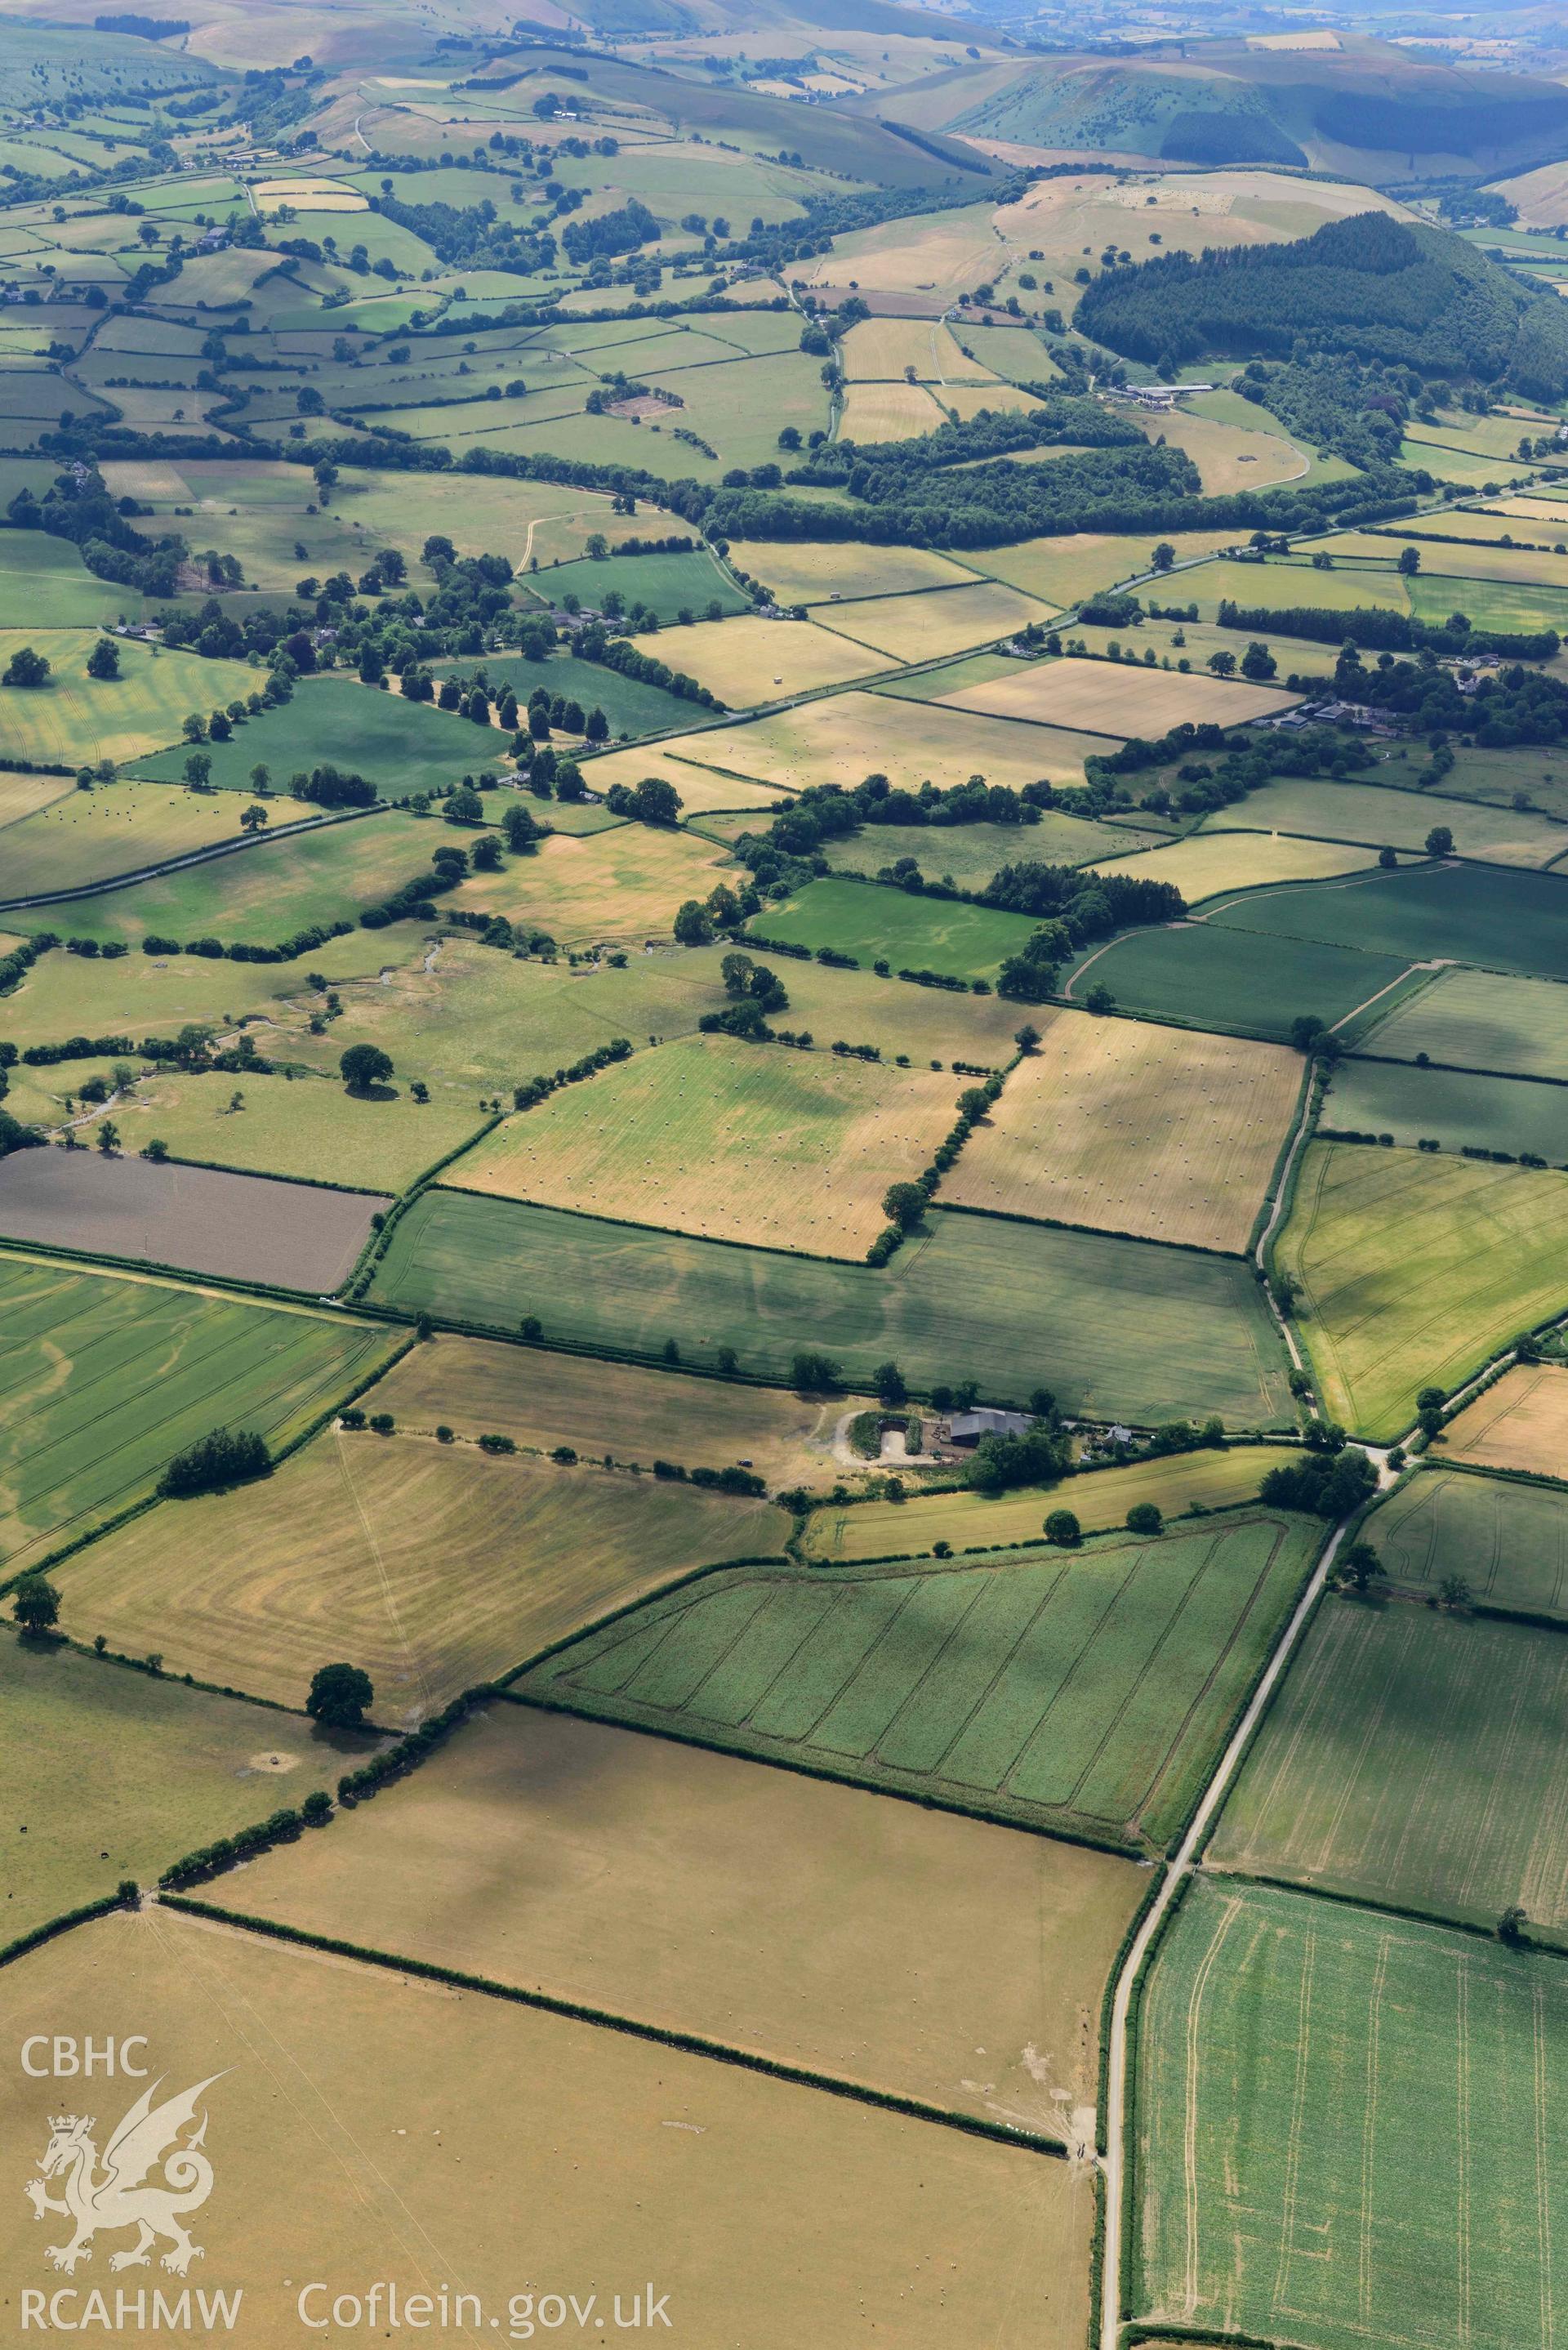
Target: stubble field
{"x": 361, "y": 1546}
{"x": 1128, "y": 1128}
{"x": 1521, "y": 1423}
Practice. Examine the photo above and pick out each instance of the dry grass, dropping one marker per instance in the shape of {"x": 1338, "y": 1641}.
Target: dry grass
{"x": 1064, "y": 570}
{"x": 1228, "y": 456}
{"x": 880, "y": 350}
{"x": 882, "y": 1942}
{"x": 432, "y": 1566}
{"x": 728, "y": 1141}
{"x": 1099, "y": 1500}
{"x": 1519, "y": 1423}
{"x": 625, "y": 885}
{"x": 764, "y": 2211}
{"x": 887, "y": 411}
{"x": 820, "y": 571}
{"x": 1540, "y": 197}
{"x": 938, "y": 253}
{"x": 635, "y": 1414}
{"x": 946, "y": 620}
{"x": 82, "y": 836}
{"x": 1116, "y": 1124}
{"x": 749, "y": 660}
{"x": 1187, "y": 210}
{"x": 859, "y": 735}
{"x": 701, "y": 790}
{"x": 1210, "y": 862}
{"x": 22, "y": 795}
{"x": 1109, "y": 698}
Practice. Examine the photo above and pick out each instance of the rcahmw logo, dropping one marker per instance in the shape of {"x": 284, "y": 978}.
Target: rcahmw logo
{"x": 153, "y": 2175}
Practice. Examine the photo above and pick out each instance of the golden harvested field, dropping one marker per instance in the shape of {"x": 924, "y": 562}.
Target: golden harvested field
{"x": 1064, "y": 570}
{"x": 1209, "y": 862}
{"x": 751, "y": 660}
{"x": 433, "y": 1567}
{"x": 967, "y": 399}
{"x": 542, "y": 1399}
{"x": 858, "y": 735}
{"x": 701, "y": 790}
{"x": 758, "y": 2209}
{"x": 936, "y": 253}
{"x": 623, "y": 885}
{"x": 1519, "y": 1423}
{"x": 882, "y": 1944}
{"x": 1229, "y": 456}
{"x": 930, "y": 1024}
{"x": 1099, "y": 1500}
{"x": 879, "y": 351}
{"x": 729, "y": 1141}
{"x": 22, "y": 795}
{"x": 946, "y": 620}
{"x": 1526, "y": 565}
{"x": 1107, "y": 697}
{"x": 887, "y": 411}
{"x": 823, "y": 571}
{"x": 1164, "y": 1133}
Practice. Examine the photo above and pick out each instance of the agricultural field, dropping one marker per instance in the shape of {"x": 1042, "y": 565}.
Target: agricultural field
{"x": 944, "y": 935}
{"x": 1463, "y": 913}
{"x": 632, "y": 1414}
{"x": 44, "y": 584}
{"x": 85, "y": 1352}
{"x": 848, "y": 736}
{"x": 1520, "y": 1422}
{"x": 261, "y": 894}
{"x": 1456, "y": 1109}
{"x": 1413, "y": 1268}
{"x": 74, "y": 720}
{"x": 199, "y": 1219}
{"x": 918, "y": 627}
{"x": 308, "y": 1129}
{"x": 81, "y": 838}
{"x": 1085, "y": 1695}
{"x": 624, "y": 886}
{"x": 1113, "y": 1327}
{"x": 1237, "y": 982}
{"x": 1179, "y": 1485}
{"x": 1398, "y": 2082}
{"x": 354, "y": 1554}
{"x": 1394, "y": 818}
{"x": 1479, "y": 1020}
{"x": 729, "y": 1141}
{"x": 969, "y": 855}
{"x": 832, "y": 571}
{"x": 1213, "y": 864}
{"x": 1509, "y": 1542}
{"x": 888, "y": 411}
{"x": 666, "y": 583}
{"x": 751, "y": 660}
{"x": 1102, "y": 698}
{"x": 188, "y": 1767}
{"x": 709, "y": 2165}
{"x": 558, "y": 1854}
{"x": 1412, "y": 1758}
{"x": 1130, "y": 1127}
{"x": 401, "y": 746}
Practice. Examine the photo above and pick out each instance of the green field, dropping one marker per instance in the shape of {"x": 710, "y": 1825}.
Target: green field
{"x": 1115, "y": 1327}
{"x": 666, "y": 583}
{"x": 1413, "y": 1267}
{"x": 961, "y": 941}
{"x": 82, "y": 837}
{"x": 1479, "y": 1020}
{"x": 260, "y": 895}
{"x": 401, "y": 746}
{"x": 1502, "y": 604}
{"x": 44, "y": 584}
{"x": 1349, "y": 2128}
{"x": 1412, "y": 1758}
{"x": 170, "y": 1768}
{"x": 1450, "y": 1107}
{"x": 969, "y": 854}
{"x": 1236, "y": 981}
{"x": 106, "y": 1378}
{"x": 1087, "y": 1694}
{"x": 1401, "y": 819}
{"x": 75, "y": 720}
{"x": 1464, "y": 913}
{"x": 310, "y": 1127}
{"x": 631, "y": 708}
{"x": 1509, "y": 1542}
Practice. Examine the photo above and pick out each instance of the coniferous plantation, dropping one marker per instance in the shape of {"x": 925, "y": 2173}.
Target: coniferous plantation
{"x": 784, "y": 1176}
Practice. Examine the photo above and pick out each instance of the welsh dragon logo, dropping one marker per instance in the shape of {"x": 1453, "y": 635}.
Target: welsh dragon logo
{"x": 117, "y": 2196}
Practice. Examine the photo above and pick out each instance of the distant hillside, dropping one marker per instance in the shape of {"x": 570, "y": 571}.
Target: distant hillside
{"x": 41, "y": 64}
{"x": 1368, "y": 286}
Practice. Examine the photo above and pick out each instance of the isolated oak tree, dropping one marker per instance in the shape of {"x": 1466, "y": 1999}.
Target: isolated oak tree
{"x": 338, "y": 1696}
{"x": 364, "y": 1065}
{"x": 35, "y": 1603}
